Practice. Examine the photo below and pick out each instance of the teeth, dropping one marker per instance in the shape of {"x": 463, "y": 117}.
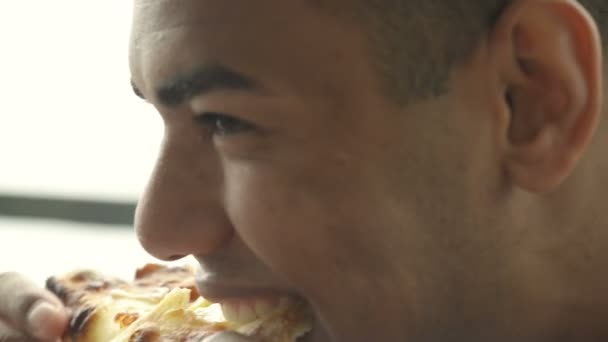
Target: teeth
{"x": 230, "y": 311}
{"x": 246, "y": 314}
{"x": 262, "y": 307}
{"x": 246, "y": 311}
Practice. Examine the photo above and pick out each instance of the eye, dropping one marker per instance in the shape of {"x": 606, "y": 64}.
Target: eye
{"x": 223, "y": 125}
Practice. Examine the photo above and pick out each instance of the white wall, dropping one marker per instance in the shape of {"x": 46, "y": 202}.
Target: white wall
{"x": 39, "y": 249}
{"x": 69, "y": 122}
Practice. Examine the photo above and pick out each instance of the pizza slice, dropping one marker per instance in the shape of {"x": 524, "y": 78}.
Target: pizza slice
{"x": 162, "y": 304}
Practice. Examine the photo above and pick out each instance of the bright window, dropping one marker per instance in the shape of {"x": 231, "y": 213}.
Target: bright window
{"x": 69, "y": 123}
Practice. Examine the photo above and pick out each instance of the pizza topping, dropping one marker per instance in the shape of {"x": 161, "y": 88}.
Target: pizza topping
{"x": 124, "y": 319}
{"x": 163, "y": 305}
{"x": 97, "y": 285}
{"x": 152, "y": 295}
{"x": 245, "y": 311}
{"x": 145, "y": 335}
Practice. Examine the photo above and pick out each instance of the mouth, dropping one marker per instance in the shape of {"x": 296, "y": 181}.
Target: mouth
{"x": 243, "y": 305}
{"x": 240, "y": 296}
{"x": 247, "y": 306}
{"x": 246, "y": 310}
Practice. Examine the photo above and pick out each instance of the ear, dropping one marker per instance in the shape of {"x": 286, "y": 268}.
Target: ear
{"x": 550, "y": 65}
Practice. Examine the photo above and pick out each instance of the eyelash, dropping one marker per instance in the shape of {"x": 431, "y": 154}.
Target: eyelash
{"x": 223, "y": 125}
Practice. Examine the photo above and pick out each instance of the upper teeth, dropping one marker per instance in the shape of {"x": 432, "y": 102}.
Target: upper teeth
{"x": 246, "y": 311}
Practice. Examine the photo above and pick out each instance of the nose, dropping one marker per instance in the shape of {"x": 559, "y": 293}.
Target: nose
{"x": 180, "y": 213}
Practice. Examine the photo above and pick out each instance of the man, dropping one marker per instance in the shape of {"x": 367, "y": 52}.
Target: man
{"x": 414, "y": 170}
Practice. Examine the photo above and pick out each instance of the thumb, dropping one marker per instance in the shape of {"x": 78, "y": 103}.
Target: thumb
{"x": 31, "y": 309}
{"x": 228, "y": 337}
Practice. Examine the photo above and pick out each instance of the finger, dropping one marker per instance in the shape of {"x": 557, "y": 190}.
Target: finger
{"x": 227, "y": 337}
{"x": 9, "y": 334}
{"x": 31, "y": 309}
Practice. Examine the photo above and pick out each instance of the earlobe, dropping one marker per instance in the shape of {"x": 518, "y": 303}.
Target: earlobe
{"x": 552, "y": 78}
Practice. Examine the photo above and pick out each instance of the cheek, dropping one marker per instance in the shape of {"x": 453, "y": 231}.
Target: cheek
{"x": 276, "y": 217}
{"x": 292, "y": 223}
{"x": 313, "y": 228}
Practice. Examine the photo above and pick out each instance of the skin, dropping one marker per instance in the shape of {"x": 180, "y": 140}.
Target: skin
{"x": 475, "y": 215}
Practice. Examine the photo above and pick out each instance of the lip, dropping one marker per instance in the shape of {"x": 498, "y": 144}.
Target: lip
{"x": 219, "y": 290}
{"x": 217, "y": 293}
{"x": 222, "y": 292}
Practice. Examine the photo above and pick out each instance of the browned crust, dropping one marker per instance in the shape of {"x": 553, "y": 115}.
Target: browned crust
{"x": 154, "y": 276}
{"x": 81, "y": 291}
{"x": 145, "y": 335}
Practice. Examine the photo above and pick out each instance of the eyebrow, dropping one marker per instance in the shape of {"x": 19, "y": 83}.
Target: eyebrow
{"x": 210, "y": 78}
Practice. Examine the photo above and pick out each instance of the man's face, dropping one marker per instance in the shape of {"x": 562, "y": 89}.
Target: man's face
{"x": 285, "y": 171}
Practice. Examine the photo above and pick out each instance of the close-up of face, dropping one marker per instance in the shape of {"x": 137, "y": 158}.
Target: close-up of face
{"x": 286, "y": 170}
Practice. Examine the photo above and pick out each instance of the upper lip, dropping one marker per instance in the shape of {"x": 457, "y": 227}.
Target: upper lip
{"x": 217, "y": 290}
{"x": 219, "y": 293}
{"x": 220, "y": 290}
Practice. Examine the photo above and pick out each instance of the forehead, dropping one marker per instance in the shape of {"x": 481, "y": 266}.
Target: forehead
{"x": 278, "y": 40}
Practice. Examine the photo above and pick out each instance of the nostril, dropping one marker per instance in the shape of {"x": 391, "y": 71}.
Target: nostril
{"x": 175, "y": 257}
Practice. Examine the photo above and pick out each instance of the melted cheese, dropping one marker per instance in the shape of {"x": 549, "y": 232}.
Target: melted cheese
{"x": 162, "y": 304}
{"x": 125, "y": 317}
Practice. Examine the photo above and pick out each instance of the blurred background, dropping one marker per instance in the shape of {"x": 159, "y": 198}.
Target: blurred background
{"x": 76, "y": 146}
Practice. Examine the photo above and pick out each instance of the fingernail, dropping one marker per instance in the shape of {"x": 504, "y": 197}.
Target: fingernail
{"x": 40, "y": 320}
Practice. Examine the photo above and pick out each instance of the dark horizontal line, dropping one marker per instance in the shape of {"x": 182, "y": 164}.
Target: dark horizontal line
{"x": 77, "y": 210}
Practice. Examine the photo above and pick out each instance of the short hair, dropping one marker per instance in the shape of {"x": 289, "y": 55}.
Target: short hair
{"x": 416, "y": 43}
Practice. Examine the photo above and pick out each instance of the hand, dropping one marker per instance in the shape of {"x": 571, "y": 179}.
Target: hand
{"x": 227, "y": 337}
{"x": 29, "y": 313}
